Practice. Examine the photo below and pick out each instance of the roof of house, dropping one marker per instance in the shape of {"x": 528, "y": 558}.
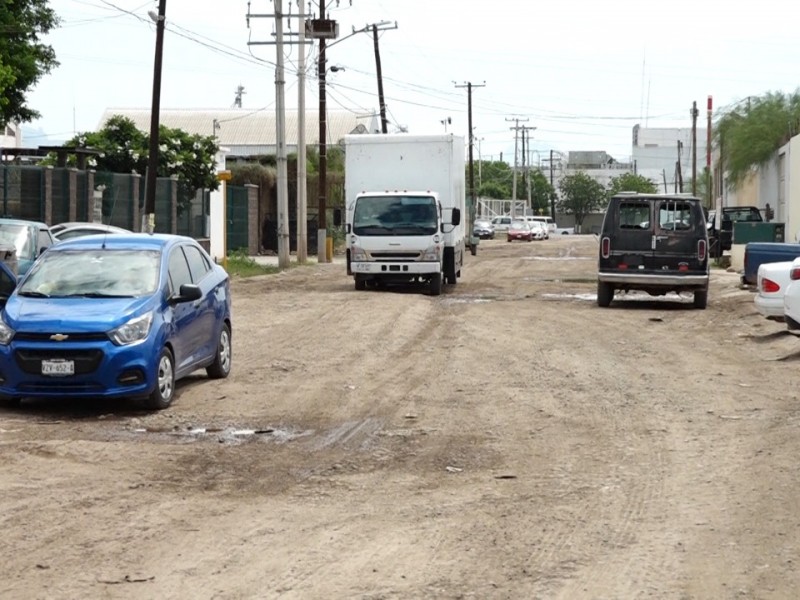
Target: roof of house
{"x": 248, "y": 127}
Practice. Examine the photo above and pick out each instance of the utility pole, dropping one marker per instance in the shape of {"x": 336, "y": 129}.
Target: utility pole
{"x": 694, "y": 114}
{"x": 710, "y": 182}
{"x": 525, "y": 163}
{"x": 552, "y": 190}
{"x": 473, "y": 200}
{"x": 302, "y": 189}
{"x": 516, "y": 130}
{"x": 678, "y": 170}
{"x": 322, "y": 188}
{"x": 149, "y": 217}
{"x": 280, "y": 121}
{"x": 381, "y": 101}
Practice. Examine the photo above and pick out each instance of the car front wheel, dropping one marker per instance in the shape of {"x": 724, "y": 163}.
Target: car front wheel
{"x": 161, "y": 396}
{"x": 221, "y": 367}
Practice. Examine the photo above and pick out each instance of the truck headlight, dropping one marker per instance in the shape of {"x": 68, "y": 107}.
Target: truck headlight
{"x": 432, "y": 253}
{"x": 6, "y": 333}
{"x": 133, "y": 331}
{"x": 357, "y": 254}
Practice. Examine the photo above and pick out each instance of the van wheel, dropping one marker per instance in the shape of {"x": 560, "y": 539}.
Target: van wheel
{"x": 435, "y": 285}
{"x": 605, "y": 294}
{"x": 700, "y": 299}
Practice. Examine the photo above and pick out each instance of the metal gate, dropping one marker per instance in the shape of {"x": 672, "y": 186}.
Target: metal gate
{"x": 237, "y": 218}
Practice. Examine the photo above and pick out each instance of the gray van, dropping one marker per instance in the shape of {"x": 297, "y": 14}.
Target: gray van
{"x": 653, "y": 243}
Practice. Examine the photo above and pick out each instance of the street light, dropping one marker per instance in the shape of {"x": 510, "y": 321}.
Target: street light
{"x": 149, "y": 218}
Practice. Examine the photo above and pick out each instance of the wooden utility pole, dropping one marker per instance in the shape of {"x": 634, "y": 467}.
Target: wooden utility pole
{"x": 552, "y": 190}
{"x": 710, "y": 182}
{"x": 381, "y": 101}
{"x": 473, "y": 200}
{"x": 516, "y": 130}
{"x": 149, "y": 217}
{"x": 678, "y": 171}
{"x": 694, "y": 113}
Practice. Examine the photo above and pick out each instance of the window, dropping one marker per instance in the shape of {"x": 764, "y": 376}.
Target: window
{"x": 179, "y": 273}
{"x": 634, "y": 215}
{"x": 675, "y": 216}
{"x": 198, "y": 265}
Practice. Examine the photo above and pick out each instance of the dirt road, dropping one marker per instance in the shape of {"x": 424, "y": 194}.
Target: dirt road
{"x": 508, "y": 439}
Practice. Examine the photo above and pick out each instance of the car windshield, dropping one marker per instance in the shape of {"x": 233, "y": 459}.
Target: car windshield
{"x": 12, "y": 234}
{"x": 94, "y": 273}
{"x": 395, "y": 215}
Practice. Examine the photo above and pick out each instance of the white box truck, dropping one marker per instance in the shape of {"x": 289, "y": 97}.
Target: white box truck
{"x": 405, "y": 207}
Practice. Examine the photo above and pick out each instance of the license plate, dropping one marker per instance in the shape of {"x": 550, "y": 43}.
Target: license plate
{"x": 58, "y": 367}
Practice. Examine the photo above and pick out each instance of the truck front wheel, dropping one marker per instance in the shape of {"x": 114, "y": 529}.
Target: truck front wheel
{"x": 435, "y": 284}
{"x": 361, "y": 283}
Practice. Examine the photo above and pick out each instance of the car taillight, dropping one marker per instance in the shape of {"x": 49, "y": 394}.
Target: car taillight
{"x": 794, "y": 274}
{"x": 769, "y": 286}
{"x": 605, "y": 247}
{"x": 701, "y": 250}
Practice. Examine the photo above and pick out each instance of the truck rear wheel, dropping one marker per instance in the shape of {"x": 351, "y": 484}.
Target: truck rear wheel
{"x": 435, "y": 284}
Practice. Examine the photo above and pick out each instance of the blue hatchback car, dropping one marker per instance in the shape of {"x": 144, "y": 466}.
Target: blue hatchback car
{"x": 123, "y": 315}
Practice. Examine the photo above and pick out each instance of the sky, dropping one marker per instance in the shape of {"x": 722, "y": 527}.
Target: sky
{"x": 579, "y": 74}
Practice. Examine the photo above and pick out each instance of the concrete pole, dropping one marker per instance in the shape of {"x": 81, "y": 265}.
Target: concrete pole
{"x": 280, "y": 114}
{"x": 302, "y": 192}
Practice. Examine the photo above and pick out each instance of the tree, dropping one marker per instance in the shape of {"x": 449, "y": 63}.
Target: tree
{"x": 631, "y": 182}
{"x": 749, "y": 134}
{"x": 580, "y": 195}
{"x": 23, "y": 58}
{"x": 122, "y": 147}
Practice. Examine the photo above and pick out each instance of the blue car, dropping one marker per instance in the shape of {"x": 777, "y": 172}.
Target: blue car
{"x": 123, "y": 315}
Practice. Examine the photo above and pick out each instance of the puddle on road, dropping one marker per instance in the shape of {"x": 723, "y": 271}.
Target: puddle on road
{"x": 467, "y": 300}
{"x": 592, "y": 297}
{"x": 223, "y": 435}
{"x": 549, "y": 258}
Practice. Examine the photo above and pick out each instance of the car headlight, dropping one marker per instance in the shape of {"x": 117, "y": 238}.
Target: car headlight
{"x": 432, "y": 252}
{"x": 133, "y": 331}
{"x": 6, "y": 333}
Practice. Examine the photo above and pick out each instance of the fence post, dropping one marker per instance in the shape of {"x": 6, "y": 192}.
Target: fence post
{"x": 173, "y": 204}
{"x": 47, "y": 197}
{"x": 89, "y": 199}
{"x": 73, "y": 194}
{"x": 136, "y": 181}
{"x": 253, "y": 233}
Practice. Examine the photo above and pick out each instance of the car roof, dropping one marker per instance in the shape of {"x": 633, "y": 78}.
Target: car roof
{"x": 26, "y": 222}
{"x": 644, "y": 196}
{"x": 123, "y": 241}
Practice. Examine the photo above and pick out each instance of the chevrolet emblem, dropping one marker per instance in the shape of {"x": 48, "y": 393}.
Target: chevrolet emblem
{"x": 59, "y": 337}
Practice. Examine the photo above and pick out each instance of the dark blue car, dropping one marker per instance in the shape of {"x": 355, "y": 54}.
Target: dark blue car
{"x": 123, "y": 315}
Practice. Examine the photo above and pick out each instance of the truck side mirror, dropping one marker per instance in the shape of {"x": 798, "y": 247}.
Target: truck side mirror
{"x": 337, "y": 217}
{"x": 455, "y": 220}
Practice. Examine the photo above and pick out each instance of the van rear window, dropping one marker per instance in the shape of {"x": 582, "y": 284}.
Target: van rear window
{"x": 634, "y": 215}
{"x": 675, "y": 216}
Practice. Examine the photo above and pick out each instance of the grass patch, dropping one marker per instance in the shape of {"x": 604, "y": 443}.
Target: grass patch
{"x": 241, "y": 265}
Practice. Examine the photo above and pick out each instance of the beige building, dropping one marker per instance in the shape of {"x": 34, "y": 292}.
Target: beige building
{"x": 247, "y": 132}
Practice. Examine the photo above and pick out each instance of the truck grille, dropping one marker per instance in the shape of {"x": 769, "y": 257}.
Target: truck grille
{"x": 396, "y": 256}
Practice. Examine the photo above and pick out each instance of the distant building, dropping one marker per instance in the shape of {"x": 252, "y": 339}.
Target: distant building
{"x": 655, "y": 154}
{"x": 597, "y": 164}
{"x": 12, "y": 136}
{"x": 247, "y": 132}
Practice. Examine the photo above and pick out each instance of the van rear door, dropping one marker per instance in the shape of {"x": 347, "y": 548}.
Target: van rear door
{"x": 632, "y": 237}
{"x": 679, "y": 227}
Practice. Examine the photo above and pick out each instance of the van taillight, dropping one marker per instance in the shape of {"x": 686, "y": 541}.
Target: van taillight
{"x": 794, "y": 274}
{"x": 605, "y": 247}
{"x": 701, "y": 250}
{"x": 769, "y": 286}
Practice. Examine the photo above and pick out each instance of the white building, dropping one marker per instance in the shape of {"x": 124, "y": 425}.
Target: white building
{"x": 12, "y": 136}
{"x": 655, "y": 152}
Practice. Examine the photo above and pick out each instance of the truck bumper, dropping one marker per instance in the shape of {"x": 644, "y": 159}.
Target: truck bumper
{"x": 395, "y": 268}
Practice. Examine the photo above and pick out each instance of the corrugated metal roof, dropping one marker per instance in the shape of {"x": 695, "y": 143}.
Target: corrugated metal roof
{"x": 245, "y": 127}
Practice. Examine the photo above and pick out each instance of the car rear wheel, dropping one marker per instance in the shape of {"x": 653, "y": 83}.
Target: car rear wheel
{"x": 161, "y": 396}
{"x": 700, "y": 299}
{"x": 221, "y": 367}
{"x": 605, "y": 293}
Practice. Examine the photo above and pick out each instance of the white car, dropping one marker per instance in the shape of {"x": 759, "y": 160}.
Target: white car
{"x": 791, "y": 298}
{"x": 539, "y": 230}
{"x": 771, "y": 282}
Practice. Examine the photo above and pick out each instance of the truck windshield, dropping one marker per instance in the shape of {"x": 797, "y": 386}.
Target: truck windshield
{"x": 395, "y": 215}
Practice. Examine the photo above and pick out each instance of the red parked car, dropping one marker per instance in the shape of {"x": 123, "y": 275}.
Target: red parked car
{"x": 520, "y": 230}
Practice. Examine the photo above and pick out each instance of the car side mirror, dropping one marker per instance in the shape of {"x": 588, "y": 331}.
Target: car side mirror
{"x": 337, "y": 217}
{"x": 189, "y": 292}
{"x": 455, "y": 220}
